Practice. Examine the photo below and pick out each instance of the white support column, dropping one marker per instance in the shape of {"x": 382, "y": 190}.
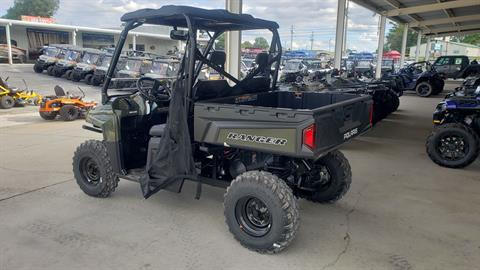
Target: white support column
{"x": 427, "y": 49}
{"x": 404, "y": 45}
{"x": 419, "y": 42}
{"x": 345, "y": 30}
{"x": 134, "y": 42}
{"x": 339, "y": 33}
{"x": 9, "y": 43}
{"x": 233, "y": 41}
{"x": 74, "y": 37}
{"x": 381, "y": 40}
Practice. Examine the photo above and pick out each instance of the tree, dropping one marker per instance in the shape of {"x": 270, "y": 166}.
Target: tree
{"x": 44, "y": 8}
{"x": 220, "y": 42}
{"x": 470, "y": 39}
{"x": 261, "y": 42}
{"x": 246, "y": 44}
{"x": 395, "y": 35}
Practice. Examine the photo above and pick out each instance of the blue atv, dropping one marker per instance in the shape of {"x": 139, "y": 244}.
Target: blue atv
{"x": 420, "y": 77}
{"x": 455, "y": 141}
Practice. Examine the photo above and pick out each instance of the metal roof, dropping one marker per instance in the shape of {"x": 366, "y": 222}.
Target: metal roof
{"x": 432, "y": 17}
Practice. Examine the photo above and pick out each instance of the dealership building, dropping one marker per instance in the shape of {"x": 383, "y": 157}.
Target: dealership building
{"x": 30, "y": 35}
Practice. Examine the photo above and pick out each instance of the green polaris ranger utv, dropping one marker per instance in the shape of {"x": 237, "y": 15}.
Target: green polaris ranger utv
{"x": 266, "y": 147}
{"x": 50, "y": 56}
{"x": 66, "y": 65}
{"x": 84, "y": 70}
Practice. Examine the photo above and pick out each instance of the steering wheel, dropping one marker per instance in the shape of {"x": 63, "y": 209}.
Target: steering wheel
{"x": 154, "y": 90}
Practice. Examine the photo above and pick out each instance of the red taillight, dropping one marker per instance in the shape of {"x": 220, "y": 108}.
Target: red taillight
{"x": 371, "y": 115}
{"x": 309, "y": 136}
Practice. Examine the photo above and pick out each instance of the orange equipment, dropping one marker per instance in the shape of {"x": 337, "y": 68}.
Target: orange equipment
{"x": 69, "y": 107}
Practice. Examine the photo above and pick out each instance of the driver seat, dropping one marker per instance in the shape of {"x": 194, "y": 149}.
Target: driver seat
{"x": 157, "y": 130}
{"x": 209, "y": 89}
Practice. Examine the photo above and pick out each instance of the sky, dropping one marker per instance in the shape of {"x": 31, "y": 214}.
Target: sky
{"x": 306, "y": 16}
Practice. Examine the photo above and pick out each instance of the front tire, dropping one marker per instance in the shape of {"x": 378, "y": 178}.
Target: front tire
{"x": 69, "y": 75}
{"x": 37, "y": 69}
{"x": 453, "y": 145}
{"x": 424, "y": 89}
{"x": 93, "y": 170}
{"x": 261, "y": 212}
{"x": 6, "y": 102}
{"x": 69, "y": 113}
{"x": 331, "y": 177}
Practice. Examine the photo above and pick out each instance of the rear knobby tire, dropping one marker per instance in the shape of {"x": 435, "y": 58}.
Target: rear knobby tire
{"x": 279, "y": 201}
{"x": 470, "y": 138}
{"x": 338, "y": 184}
{"x": 50, "y": 71}
{"x": 48, "y": 115}
{"x": 97, "y": 183}
{"x": 95, "y": 81}
{"x": 395, "y": 101}
{"x": 88, "y": 79}
{"x": 69, "y": 113}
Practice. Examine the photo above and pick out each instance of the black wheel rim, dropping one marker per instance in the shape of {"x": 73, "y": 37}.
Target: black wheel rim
{"x": 9, "y": 102}
{"x": 90, "y": 171}
{"x": 253, "y": 216}
{"x": 423, "y": 89}
{"x": 453, "y": 147}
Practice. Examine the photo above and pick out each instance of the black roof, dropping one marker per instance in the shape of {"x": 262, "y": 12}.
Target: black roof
{"x": 205, "y": 19}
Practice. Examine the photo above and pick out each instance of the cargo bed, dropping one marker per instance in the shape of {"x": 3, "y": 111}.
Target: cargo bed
{"x": 300, "y": 124}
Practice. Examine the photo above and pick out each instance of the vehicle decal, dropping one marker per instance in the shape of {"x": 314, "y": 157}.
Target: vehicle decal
{"x": 256, "y": 139}
{"x": 350, "y": 134}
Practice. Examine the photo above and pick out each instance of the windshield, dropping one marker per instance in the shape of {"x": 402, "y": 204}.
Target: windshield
{"x": 363, "y": 64}
{"x": 72, "y": 55}
{"x": 106, "y": 61}
{"x": 90, "y": 58}
{"x": 164, "y": 68}
{"x": 52, "y": 52}
{"x": 314, "y": 64}
{"x": 133, "y": 65}
{"x": 293, "y": 65}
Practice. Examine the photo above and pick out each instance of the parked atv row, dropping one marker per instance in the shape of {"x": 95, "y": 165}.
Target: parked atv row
{"x": 12, "y": 96}
{"x": 455, "y": 139}
{"x": 91, "y": 65}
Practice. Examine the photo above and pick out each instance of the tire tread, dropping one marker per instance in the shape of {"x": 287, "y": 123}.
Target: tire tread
{"x": 288, "y": 201}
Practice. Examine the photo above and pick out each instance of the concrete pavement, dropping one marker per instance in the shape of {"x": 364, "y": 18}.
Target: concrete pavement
{"x": 402, "y": 211}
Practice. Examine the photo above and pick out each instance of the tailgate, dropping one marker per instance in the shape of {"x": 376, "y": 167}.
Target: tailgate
{"x": 340, "y": 122}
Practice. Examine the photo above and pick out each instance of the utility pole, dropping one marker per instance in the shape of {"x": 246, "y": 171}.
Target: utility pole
{"x": 291, "y": 38}
{"x": 311, "y": 42}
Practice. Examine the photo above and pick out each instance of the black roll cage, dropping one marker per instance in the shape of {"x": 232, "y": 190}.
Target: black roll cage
{"x": 188, "y": 63}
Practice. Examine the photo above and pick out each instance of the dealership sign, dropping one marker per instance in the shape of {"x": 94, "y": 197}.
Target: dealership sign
{"x": 37, "y": 19}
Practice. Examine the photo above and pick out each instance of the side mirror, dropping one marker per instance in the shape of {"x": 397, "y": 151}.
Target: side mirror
{"x": 179, "y": 35}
